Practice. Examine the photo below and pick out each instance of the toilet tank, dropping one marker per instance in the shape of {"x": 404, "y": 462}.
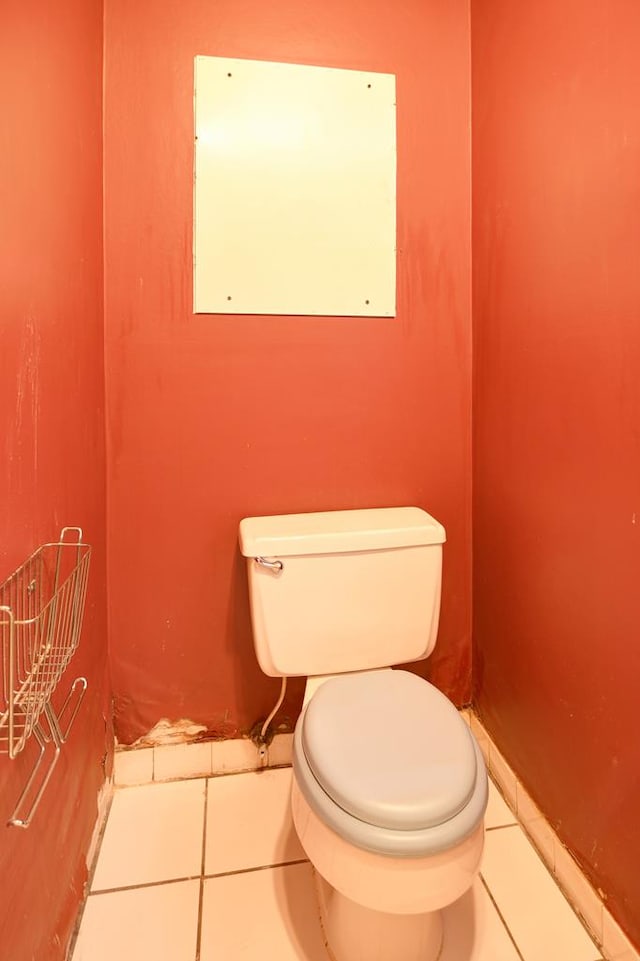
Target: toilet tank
{"x": 343, "y": 591}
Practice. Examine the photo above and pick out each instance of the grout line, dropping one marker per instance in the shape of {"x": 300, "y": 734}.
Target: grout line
{"x": 250, "y": 770}
{"x": 146, "y": 884}
{"x": 169, "y": 780}
{"x": 201, "y": 877}
{"x": 203, "y": 775}
{"x": 502, "y": 918}
{"x": 204, "y": 851}
{"x": 209, "y": 775}
{"x": 261, "y": 867}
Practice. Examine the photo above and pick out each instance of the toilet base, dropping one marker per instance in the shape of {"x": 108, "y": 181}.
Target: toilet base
{"x": 382, "y": 908}
{"x": 353, "y": 931}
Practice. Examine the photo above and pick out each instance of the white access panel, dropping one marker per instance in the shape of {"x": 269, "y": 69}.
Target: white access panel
{"x": 295, "y": 189}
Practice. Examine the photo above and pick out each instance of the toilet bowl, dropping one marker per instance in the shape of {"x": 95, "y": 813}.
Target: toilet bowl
{"x": 389, "y": 786}
{"x": 389, "y": 814}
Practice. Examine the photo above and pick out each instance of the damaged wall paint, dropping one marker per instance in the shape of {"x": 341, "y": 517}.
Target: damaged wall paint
{"x": 183, "y": 731}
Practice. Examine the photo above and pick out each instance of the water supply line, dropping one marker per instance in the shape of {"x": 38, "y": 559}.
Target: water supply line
{"x": 261, "y": 739}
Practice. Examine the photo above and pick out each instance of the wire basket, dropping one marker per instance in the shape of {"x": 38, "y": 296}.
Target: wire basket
{"x": 41, "y": 610}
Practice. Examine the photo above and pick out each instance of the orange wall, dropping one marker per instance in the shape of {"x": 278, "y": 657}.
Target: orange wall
{"x": 211, "y": 418}
{"x": 52, "y": 421}
{"x": 556, "y": 91}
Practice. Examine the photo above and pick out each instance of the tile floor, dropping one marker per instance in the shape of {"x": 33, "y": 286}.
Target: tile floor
{"x": 210, "y": 869}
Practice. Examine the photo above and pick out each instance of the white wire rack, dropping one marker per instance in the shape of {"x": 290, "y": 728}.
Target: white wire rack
{"x": 41, "y": 610}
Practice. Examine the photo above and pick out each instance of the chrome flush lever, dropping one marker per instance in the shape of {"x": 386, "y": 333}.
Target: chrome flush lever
{"x": 275, "y": 566}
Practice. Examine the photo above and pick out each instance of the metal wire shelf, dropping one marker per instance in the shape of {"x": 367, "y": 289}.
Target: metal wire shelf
{"x": 41, "y": 610}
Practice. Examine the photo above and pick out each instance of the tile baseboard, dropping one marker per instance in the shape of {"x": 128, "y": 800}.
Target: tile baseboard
{"x": 168, "y": 762}
{"x": 105, "y": 796}
{"x": 584, "y": 899}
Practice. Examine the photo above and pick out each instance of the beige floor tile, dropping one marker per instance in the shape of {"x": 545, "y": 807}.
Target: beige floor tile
{"x": 286, "y": 926}
{"x": 473, "y": 930}
{"x": 159, "y": 923}
{"x": 541, "y": 921}
{"x": 249, "y": 822}
{"x": 154, "y": 833}
{"x": 268, "y": 915}
{"x": 498, "y": 812}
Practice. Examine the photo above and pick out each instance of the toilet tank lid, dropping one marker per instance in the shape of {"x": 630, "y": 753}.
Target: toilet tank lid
{"x": 336, "y": 532}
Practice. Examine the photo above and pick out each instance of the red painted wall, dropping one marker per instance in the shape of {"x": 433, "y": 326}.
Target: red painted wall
{"x": 556, "y": 236}
{"x": 211, "y": 418}
{"x": 52, "y": 420}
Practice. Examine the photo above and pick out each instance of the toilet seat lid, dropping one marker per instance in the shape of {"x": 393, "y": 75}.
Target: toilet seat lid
{"x": 389, "y": 749}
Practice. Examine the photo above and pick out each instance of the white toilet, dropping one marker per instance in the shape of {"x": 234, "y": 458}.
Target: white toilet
{"x": 389, "y": 785}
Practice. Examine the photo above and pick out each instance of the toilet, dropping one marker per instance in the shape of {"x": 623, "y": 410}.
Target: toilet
{"x": 389, "y": 786}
